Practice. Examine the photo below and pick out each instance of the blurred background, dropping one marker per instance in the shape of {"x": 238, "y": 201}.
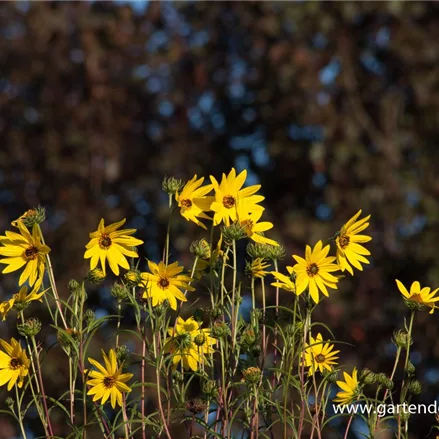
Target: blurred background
{"x": 331, "y": 106}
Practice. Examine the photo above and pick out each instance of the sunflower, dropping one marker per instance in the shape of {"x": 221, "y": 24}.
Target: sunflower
{"x": 319, "y": 355}
{"x": 108, "y": 381}
{"x": 193, "y": 201}
{"x": 314, "y": 272}
{"x": 108, "y": 243}
{"x": 20, "y": 301}
{"x": 189, "y": 343}
{"x": 350, "y": 388}
{"x": 14, "y": 364}
{"x": 229, "y": 194}
{"x": 257, "y": 268}
{"x": 350, "y": 252}
{"x": 26, "y": 249}
{"x": 419, "y": 298}
{"x": 283, "y": 281}
{"x": 165, "y": 283}
{"x": 249, "y": 218}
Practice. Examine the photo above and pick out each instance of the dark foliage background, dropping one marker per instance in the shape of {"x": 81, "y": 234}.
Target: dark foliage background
{"x": 330, "y": 106}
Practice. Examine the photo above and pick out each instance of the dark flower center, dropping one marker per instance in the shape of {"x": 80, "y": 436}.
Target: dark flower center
{"x": 109, "y": 382}
{"x": 31, "y": 252}
{"x": 312, "y": 270}
{"x": 104, "y": 241}
{"x": 320, "y": 358}
{"x": 15, "y": 363}
{"x": 186, "y": 203}
{"x": 228, "y": 201}
{"x": 163, "y": 282}
{"x": 344, "y": 241}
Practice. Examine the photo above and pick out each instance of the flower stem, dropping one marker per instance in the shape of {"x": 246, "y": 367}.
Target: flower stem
{"x": 19, "y": 418}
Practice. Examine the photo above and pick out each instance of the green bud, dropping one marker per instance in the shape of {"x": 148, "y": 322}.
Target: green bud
{"x": 331, "y": 376}
{"x": 234, "y": 232}
{"x": 404, "y": 415}
{"x": 196, "y": 406}
{"x": 402, "y": 339}
{"x": 67, "y": 338}
{"x": 32, "y": 217}
{"x": 248, "y": 338}
{"x": 210, "y": 389}
{"x": 276, "y": 252}
{"x": 382, "y": 379}
{"x": 368, "y": 377}
{"x": 119, "y": 291}
{"x": 255, "y": 250}
{"x": 201, "y": 249}
{"x": 96, "y": 276}
{"x": 220, "y": 330}
{"x": 415, "y": 387}
{"x": 30, "y": 328}
{"x": 200, "y": 339}
{"x": 410, "y": 369}
{"x": 133, "y": 277}
{"x": 177, "y": 376}
{"x": 9, "y": 402}
{"x": 122, "y": 354}
{"x": 89, "y": 315}
{"x": 216, "y": 312}
{"x": 73, "y": 286}
{"x": 171, "y": 185}
{"x": 252, "y": 375}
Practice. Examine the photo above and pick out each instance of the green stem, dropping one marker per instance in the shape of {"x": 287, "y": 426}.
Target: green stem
{"x": 20, "y": 420}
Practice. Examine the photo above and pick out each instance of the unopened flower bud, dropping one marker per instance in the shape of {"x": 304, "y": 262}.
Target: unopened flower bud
{"x": 252, "y": 375}
{"x": 220, "y": 330}
{"x": 234, "y": 232}
{"x": 89, "y": 315}
{"x": 133, "y": 277}
{"x": 201, "y": 249}
{"x": 410, "y": 369}
{"x": 119, "y": 291}
{"x": 96, "y": 276}
{"x": 331, "y": 376}
{"x": 122, "y": 354}
{"x": 200, "y": 339}
{"x": 368, "y": 377}
{"x": 9, "y": 402}
{"x": 216, "y": 312}
{"x": 30, "y": 328}
{"x": 276, "y": 252}
{"x": 415, "y": 387}
{"x": 31, "y": 217}
{"x": 177, "y": 376}
{"x": 256, "y": 250}
{"x": 73, "y": 286}
{"x": 402, "y": 339}
{"x": 171, "y": 185}
{"x": 210, "y": 389}
{"x": 382, "y": 379}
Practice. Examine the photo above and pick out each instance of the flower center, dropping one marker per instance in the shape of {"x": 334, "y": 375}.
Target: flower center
{"x": 416, "y": 298}
{"x": 320, "y": 358}
{"x": 109, "y": 382}
{"x": 344, "y": 241}
{"x": 312, "y": 270}
{"x": 228, "y": 201}
{"x": 15, "y": 363}
{"x": 186, "y": 203}
{"x": 163, "y": 282}
{"x": 104, "y": 241}
{"x": 31, "y": 253}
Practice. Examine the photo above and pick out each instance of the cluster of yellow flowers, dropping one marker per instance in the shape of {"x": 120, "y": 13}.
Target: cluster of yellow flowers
{"x": 228, "y": 203}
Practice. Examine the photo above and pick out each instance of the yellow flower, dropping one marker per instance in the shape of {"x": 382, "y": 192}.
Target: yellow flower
{"x": 229, "y": 194}
{"x": 165, "y": 283}
{"x": 419, "y": 297}
{"x": 5, "y": 307}
{"x": 314, "y": 272}
{"x": 319, "y": 355}
{"x": 249, "y": 218}
{"x": 20, "y": 300}
{"x": 256, "y": 268}
{"x": 14, "y": 364}
{"x": 350, "y": 388}
{"x": 24, "y": 249}
{"x": 189, "y": 343}
{"x": 108, "y": 381}
{"x": 108, "y": 243}
{"x": 349, "y": 251}
{"x": 193, "y": 201}
{"x": 283, "y": 281}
